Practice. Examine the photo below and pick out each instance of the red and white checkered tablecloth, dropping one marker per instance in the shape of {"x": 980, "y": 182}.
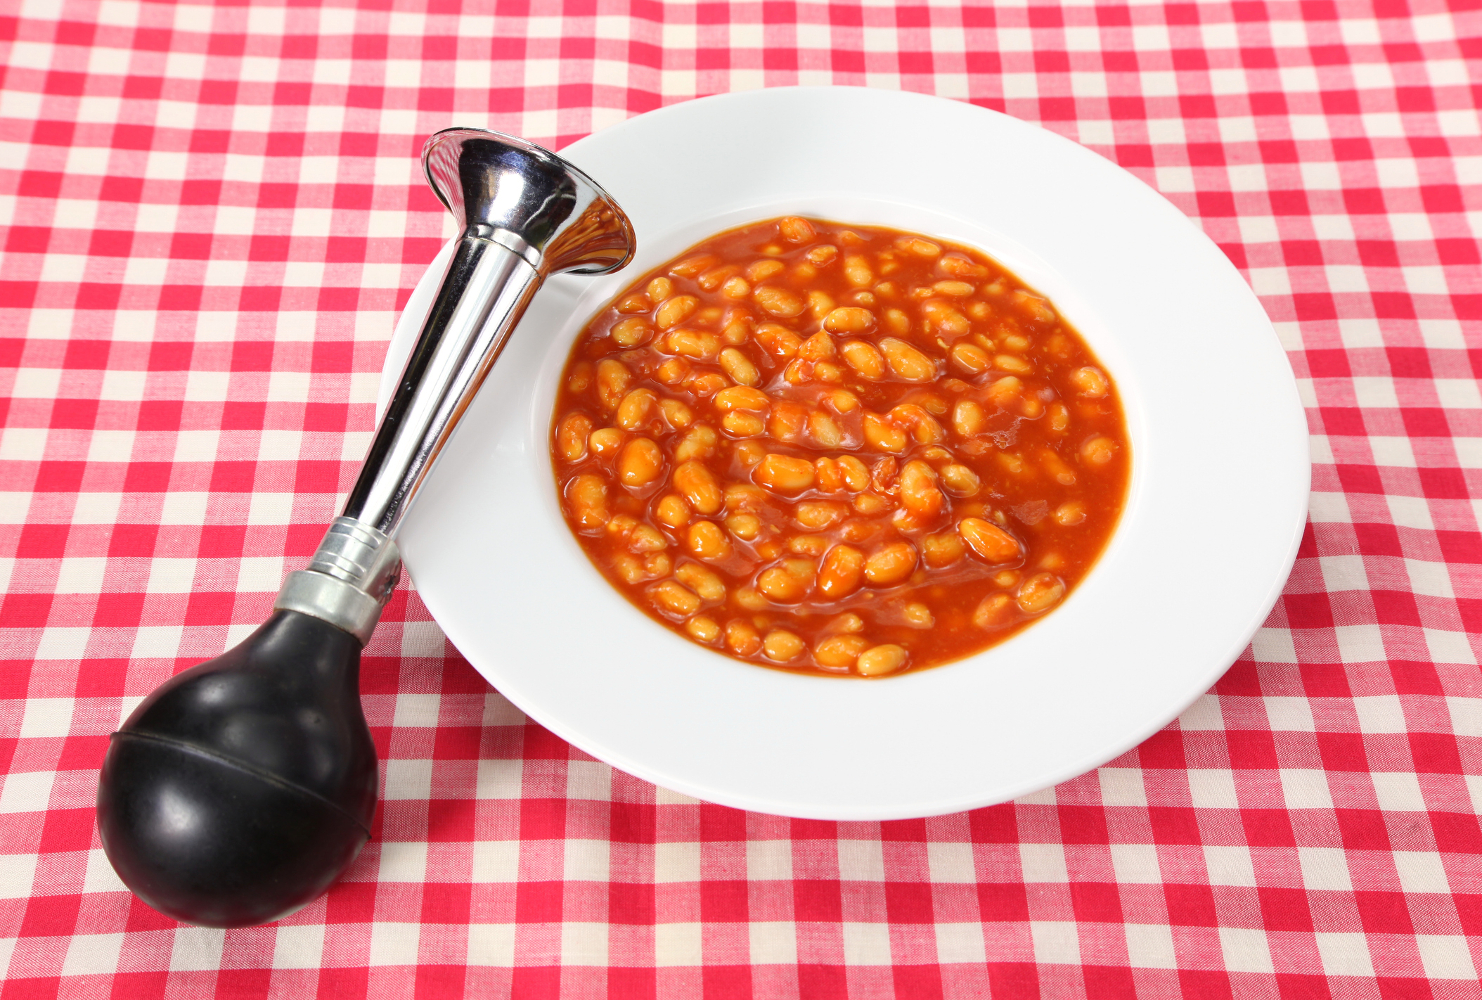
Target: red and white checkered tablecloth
{"x": 210, "y": 216}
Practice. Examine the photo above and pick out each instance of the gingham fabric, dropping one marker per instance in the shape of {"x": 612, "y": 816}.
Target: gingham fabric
{"x": 210, "y": 217}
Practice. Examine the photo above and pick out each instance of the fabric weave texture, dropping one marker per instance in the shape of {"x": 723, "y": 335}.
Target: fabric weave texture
{"x": 211, "y": 215}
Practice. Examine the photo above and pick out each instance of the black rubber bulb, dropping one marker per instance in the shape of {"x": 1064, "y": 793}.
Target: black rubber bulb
{"x": 241, "y": 788}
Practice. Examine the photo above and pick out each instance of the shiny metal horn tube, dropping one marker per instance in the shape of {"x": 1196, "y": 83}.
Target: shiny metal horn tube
{"x": 526, "y": 214}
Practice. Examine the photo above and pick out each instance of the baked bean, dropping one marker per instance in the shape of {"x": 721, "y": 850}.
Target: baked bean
{"x": 842, "y": 572}
{"x": 1006, "y": 392}
{"x": 827, "y": 476}
{"x": 675, "y": 310}
{"x": 748, "y": 453}
{"x": 1069, "y": 513}
{"x": 818, "y": 347}
{"x": 918, "y": 615}
{"x": 919, "y": 492}
{"x": 631, "y": 332}
{"x": 698, "y": 443}
{"x": 778, "y": 302}
{"x": 707, "y": 384}
{"x": 636, "y": 409}
{"x": 745, "y": 496}
{"x": 882, "y": 435}
{"x": 748, "y": 598}
{"x": 849, "y": 319}
{"x": 571, "y": 437}
{"x": 742, "y": 639}
{"x": 1034, "y": 307}
{"x": 817, "y": 515}
{"x": 803, "y": 416}
{"x": 782, "y": 646}
{"x": 970, "y": 358}
{"x": 960, "y": 267}
{"x": 673, "y": 511}
{"x": 764, "y": 269}
{"x": 839, "y": 650}
{"x": 694, "y": 344}
{"x": 742, "y": 424}
{"x": 717, "y": 276}
{"x": 588, "y": 496}
{"x": 784, "y": 473}
{"x": 1099, "y": 450}
{"x": 678, "y": 415}
{"x": 968, "y": 418}
{"x": 907, "y": 362}
{"x": 864, "y": 358}
{"x": 702, "y": 629}
{"x": 702, "y": 581}
{"x": 674, "y": 598}
{"x": 960, "y": 481}
{"x": 822, "y": 256}
{"x": 955, "y": 289}
{"x": 739, "y": 367}
{"x": 945, "y": 318}
{"x": 796, "y": 230}
{"x": 994, "y": 611}
{"x": 706, "y": 541}
{"x": 881, "y": 660}
{"x": 580, "y": 377}
{"x": 812, "y": 546}
{"x": 674, "y": 371}
{"x": 890, "y": 565}
{"x": 605, "y": 440}
{"x": 646, "y": 538}
{"x": 857, "y": 271}
{"x": 778, "y": 341}
{"x": 923, "y": 427}
{"x": 697, "y": 485}
{"x": 1040, "y": 592}
{"x": 942, "y": 550}
{"x": 856, "y": 475}
{"x": 1059, "y": 416}
{"x": 918, "y": 246}
{"x": 824, "y": 430}
{"x": 788, "y": 582}
{"x": 634, "y": 571}
{"x": 990, "y": 542}
{"x": 641, "y": 463}
{"x": 1089, "y": 382}
{"x": 744, "y": 526}
{"x": 740, "y": 397}
{"x": 613, "y": 380}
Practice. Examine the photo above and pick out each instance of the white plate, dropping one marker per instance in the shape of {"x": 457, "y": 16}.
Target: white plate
{"x": 1218, "y": 498}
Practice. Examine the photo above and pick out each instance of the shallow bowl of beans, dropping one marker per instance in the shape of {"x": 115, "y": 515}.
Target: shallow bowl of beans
{"x": 920, "y": 460}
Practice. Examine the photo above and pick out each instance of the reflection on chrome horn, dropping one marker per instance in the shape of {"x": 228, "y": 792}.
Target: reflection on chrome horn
{"x": 241, "y": 788}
